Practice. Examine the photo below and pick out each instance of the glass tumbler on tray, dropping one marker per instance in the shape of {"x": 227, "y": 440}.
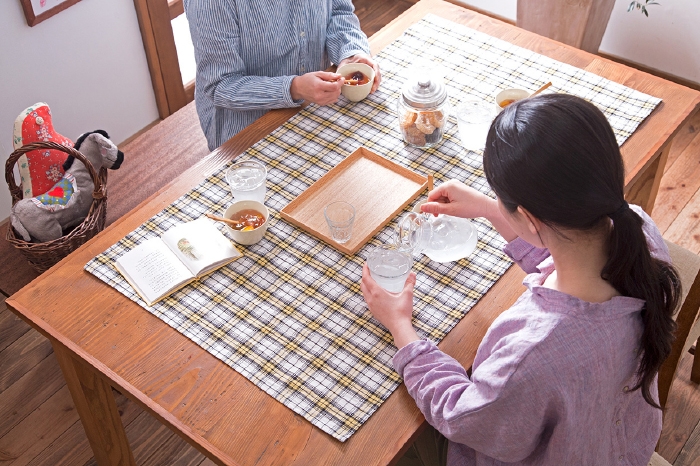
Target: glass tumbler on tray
{"x": 340, "y": 216}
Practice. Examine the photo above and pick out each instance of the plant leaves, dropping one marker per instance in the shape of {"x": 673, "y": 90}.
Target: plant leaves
{"x": 631, "y": 7}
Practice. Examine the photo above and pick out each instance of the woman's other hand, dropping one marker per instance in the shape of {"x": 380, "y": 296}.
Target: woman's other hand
{"x": 367, "y": 60}
{"x": 393, "y": 310}
{"x": 319, "y": 87}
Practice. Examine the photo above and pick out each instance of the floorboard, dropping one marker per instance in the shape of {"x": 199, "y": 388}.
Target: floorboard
{"x": 690, "y": 455}
{"x": 685, "y": 229}
{"x": 26, "y": 352}
{"x": 11, "y": 327}
{"x": 680, "y": 183}
{"x": 682, "y": 412}
{"x": 38, "y": 430}
{"x": 25, "y": 395}
{"x": 684, "y": 137}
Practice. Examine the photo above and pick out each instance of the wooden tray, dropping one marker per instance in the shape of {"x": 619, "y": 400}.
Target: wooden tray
{"x": 378, "y": 189}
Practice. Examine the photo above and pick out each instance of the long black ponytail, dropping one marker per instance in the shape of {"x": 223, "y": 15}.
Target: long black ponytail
{"x": 556, "y": 155}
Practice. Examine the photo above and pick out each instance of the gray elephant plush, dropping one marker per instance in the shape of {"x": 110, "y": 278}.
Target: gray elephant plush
{"x": 45, "y": 218}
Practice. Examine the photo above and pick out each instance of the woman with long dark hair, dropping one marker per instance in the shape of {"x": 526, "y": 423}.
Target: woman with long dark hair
{"x": 567, "y": 375}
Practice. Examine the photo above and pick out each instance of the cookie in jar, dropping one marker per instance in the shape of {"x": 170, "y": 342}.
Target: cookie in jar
{"x": 423, "y": 109}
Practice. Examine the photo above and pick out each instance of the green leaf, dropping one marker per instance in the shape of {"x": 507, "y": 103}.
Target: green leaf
{"x": 644, "y": 10}
{"x": 631, "y": 7}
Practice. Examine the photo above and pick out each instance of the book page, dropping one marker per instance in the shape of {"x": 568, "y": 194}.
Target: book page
{"x": 153, "y": 270}
{"x": 200, "y": 246}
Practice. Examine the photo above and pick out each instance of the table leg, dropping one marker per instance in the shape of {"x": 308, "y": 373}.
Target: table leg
{"x": 644, "y": 190}
{"x": 97, "y": 409}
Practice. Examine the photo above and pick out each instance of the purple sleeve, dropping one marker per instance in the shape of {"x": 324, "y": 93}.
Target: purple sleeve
{"x": 527, "y": 256}
{"x": 478, "y": 412}
{"x": 655, "y": 241}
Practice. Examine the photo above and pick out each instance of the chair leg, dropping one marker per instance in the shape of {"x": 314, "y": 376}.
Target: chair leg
{"x": 695, "y": 371}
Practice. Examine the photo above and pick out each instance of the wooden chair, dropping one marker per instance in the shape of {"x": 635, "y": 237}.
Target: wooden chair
{"x": 688, "y": 332}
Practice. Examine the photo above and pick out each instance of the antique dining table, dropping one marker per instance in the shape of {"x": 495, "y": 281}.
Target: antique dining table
{"x": 104, "y": 340}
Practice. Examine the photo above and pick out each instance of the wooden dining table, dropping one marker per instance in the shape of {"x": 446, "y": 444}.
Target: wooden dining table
{"x": 104, "y": 340}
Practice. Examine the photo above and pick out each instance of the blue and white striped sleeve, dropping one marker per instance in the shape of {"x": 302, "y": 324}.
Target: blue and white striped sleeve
{"x": 220, "y": 68}
{"x": 344, "y": 38}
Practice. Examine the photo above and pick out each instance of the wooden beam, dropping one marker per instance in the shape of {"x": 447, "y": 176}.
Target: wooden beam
{"x": 644, "y": 190}
{"x": 95, "y": 404}
{"x": 176, "y": 8}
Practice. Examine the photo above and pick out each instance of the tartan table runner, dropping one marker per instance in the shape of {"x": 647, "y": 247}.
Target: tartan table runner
{"x": 289, "y": 315}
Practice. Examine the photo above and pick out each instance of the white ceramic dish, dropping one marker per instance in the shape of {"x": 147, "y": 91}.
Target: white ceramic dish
{"x": 356, "y": 93}
{"x": 510, "y": 94}
{"x": 248, "y": 237}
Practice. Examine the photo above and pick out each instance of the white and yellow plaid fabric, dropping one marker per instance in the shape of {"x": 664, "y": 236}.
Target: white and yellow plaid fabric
{"x": 289, "y": 315}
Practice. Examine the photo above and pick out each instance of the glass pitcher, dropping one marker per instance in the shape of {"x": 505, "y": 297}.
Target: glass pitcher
{"x": 443, "y": 238}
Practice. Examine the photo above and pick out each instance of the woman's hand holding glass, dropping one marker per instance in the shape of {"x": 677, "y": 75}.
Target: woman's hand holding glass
{"x": 393, "y": 310}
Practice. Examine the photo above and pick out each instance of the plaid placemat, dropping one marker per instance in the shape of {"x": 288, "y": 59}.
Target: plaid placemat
{"x": 289, "y": 315}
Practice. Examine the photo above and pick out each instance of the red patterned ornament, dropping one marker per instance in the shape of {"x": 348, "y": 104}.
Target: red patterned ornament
{"x": 39, "y": 169}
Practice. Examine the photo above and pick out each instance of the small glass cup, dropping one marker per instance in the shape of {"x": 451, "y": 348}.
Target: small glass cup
{"x": 474, "y": 119}
{"x": 247, "y": 181}
{"x": 340, "y": 216}
{"x": 389, "y": 267}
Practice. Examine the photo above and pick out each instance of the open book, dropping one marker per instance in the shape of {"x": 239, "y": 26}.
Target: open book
{"x": 184, "y": 253}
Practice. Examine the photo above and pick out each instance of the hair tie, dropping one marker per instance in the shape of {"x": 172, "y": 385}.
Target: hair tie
{"x": 620, "y": 210}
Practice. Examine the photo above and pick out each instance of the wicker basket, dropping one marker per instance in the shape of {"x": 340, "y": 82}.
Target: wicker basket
{"x": 42, "y": 256}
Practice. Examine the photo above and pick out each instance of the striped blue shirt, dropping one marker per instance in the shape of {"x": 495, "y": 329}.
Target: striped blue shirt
{"x": 248, "y": 52}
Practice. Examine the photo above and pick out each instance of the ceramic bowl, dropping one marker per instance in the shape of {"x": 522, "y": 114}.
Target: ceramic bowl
{"x": 510, "y": 94}
{"x": 356, "y": 93}
{"x": 253, "y": 236}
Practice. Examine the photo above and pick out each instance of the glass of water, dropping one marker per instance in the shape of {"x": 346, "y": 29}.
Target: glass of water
{"x": 474, "y": 119}
{"x": 247, "y": 181}
{"x": 389, "y": 267}
{"x": 340, "y": 216}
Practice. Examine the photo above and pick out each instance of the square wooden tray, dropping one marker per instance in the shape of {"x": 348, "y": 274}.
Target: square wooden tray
{"x": 377, "y": 187}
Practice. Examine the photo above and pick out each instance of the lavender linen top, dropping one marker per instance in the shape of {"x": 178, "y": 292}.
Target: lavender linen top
{"x": 550, "y": 382}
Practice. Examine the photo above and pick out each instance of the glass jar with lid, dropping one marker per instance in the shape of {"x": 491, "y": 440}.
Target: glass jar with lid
{"x": 443, "y": 238}
{"x": 423, "y": 109}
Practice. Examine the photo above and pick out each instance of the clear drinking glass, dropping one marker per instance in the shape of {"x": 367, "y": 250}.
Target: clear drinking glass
{"x": 474, "y": 119}
{"x": 389, "y": 267}
{"x": 247, "y": 181}
{"x": 340, "y": 216}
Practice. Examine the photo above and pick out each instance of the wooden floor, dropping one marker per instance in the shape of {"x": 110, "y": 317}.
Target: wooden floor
{"x": 39, "y": 424}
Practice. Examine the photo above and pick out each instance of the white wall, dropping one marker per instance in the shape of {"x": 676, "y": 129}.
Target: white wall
{"x": 87, "y": 62}
{"x": 668, "y": 40}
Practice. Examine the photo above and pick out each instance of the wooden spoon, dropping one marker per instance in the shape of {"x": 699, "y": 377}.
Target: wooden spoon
{"x": 541, "y": 89}
{"x": 227, "y": 221}
{"x": 431, "y": 185}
